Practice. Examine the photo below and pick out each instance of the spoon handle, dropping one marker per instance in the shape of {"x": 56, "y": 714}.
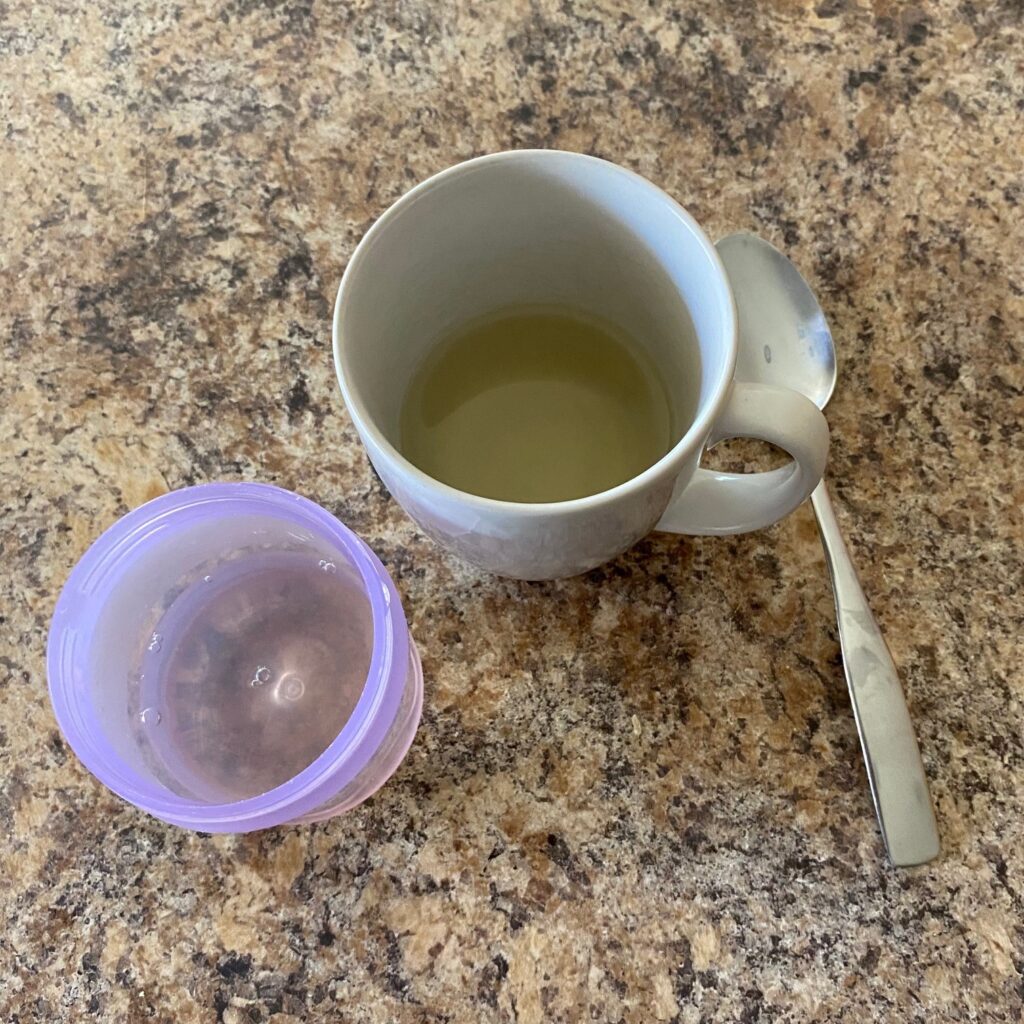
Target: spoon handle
{"x": 895, "y": 772}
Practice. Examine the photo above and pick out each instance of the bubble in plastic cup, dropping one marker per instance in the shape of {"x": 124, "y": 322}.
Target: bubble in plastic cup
{"x": 124, "y": 637}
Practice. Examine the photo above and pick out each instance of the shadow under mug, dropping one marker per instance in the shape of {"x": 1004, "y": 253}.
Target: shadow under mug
{"x": 550, "y": 228}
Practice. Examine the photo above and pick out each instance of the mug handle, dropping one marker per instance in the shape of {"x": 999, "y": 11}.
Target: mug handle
{"x": 714, "y": 503}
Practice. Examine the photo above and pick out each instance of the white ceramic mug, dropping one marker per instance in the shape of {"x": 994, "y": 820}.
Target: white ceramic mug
{"x": 543, "y": 227}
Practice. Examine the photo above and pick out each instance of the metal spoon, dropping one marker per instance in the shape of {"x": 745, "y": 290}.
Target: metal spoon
{"x": 784, "y": 340}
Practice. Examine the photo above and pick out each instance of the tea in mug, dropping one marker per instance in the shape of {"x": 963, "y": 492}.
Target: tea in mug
{"x": 536, "y": 406}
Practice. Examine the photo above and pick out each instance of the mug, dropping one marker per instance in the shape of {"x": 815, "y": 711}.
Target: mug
{"x": 564, "y": 230}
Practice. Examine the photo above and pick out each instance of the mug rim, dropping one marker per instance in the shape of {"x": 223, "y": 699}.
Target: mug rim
{"x": 692, "y": 437}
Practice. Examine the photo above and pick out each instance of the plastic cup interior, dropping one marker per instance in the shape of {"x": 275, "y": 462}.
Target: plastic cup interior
{"x": 231, "y": 657}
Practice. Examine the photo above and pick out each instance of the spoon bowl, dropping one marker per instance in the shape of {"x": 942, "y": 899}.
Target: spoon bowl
{"x": 775, "y": 302}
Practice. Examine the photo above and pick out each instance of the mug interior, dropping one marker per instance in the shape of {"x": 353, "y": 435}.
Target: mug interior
{"x": 534, "y": 228}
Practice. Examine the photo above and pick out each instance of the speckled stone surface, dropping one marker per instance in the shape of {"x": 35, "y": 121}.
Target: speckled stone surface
{"x": 636, "y": 796}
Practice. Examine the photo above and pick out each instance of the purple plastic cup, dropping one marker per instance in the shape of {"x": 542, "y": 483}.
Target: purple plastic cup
{"x": 154, "y": 688}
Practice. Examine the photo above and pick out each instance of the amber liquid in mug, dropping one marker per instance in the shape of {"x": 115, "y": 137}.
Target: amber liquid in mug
{"x": 536, "y": 406}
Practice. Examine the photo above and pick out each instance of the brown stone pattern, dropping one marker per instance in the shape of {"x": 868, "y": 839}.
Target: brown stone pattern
{"x": 636, "y": 796}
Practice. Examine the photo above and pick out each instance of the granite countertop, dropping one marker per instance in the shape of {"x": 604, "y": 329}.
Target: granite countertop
{"x": 637, "y": 795}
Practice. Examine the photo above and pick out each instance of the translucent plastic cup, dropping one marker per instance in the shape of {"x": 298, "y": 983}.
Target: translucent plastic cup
{"x": 230, "y": 657}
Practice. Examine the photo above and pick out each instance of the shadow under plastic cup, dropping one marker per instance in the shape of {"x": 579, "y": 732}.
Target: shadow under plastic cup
{"x": 230, "y": 657}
